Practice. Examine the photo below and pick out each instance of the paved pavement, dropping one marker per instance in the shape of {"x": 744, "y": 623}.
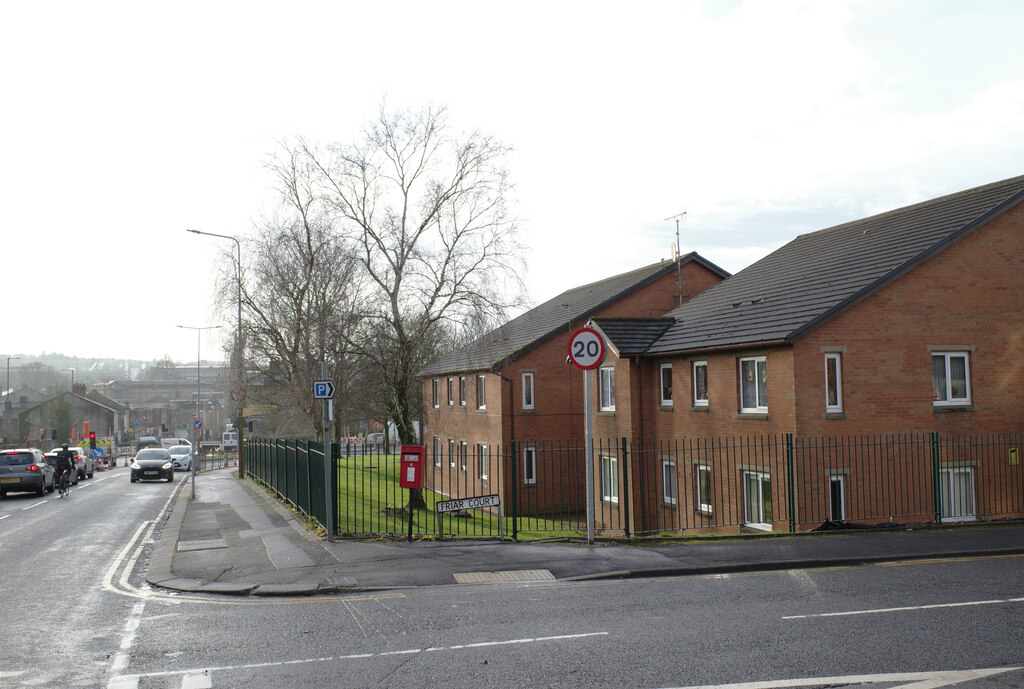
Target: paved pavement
{"x": 234, "y": 538}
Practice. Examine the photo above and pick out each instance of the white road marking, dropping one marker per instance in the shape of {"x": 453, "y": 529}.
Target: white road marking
{"x": 35, "y": 504}
{"x": 4, "y": 516}
{"x": 917, "y": 680}
{"x": 933, "y": 606}
{"x": 196, "y": 680}
{"x": 207, "y": 672}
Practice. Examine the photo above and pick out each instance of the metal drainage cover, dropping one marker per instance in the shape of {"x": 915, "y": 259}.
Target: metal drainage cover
{"x": 509, "y": 575}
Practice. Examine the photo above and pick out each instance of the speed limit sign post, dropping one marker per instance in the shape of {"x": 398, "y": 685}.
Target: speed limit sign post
{"x": 586, "y": 351}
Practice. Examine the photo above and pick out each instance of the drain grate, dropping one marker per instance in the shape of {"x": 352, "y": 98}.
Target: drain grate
{"x": 497, "y": 577}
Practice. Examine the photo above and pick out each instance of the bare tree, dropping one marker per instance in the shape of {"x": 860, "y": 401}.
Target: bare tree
{"x": 436, "y": 242}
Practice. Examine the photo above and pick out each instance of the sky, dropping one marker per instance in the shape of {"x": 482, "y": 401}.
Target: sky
{"x": 126, "y": 123}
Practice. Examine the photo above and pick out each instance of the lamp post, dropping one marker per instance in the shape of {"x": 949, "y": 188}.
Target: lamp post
{"x": 195, "y": 425}
{"x": 72, "y": 377}
{"x": 7, "y": 390}
{"x": 238, "y": 351}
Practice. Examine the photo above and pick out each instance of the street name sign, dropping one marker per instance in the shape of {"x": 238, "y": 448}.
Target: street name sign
{"x": 467, "y": 503}
{"x": 323, "y": 389}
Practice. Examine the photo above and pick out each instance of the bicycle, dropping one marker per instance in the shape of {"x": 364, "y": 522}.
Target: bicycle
{"x": 64, "y": 487}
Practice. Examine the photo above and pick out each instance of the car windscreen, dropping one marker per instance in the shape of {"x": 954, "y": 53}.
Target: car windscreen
{"x": 152, "y": 454}
{"x": 14, "y": 459}
{"x": 180, "y": 450}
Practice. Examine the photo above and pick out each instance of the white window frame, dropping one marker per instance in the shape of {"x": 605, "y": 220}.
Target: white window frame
{"x": 529, "y": 394}
{"x": 437, "y": 451}
{"x": 836, "y": 360}
{"x": 957, "y": 513}
{"x": 841, "y": 481}
{"x": 529, "y": 465}
{"x": 609, "y": 478}
{"x": 703, "y": 496}
{"x": 760, "y": 405}
{"x": 951, "y": 401}
{"x": 669, "y": 482}
{"x": 451, "y": 452}
{"x": 462, "y": 391}
{"x": 606, "y": 388}
{"x": 481, "y": 392}
{"x": 698, "y": 400}
{"x": 451, "y": 391}
{"x": 662, "y": 369}
{"x": 481, "y": 461}
{"x": 463, "y": 455}
{"x": 436, "y": 393}
{"x": 759, "y": 521}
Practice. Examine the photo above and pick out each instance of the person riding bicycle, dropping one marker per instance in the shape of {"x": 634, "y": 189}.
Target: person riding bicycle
{"x": 65, "y": 463}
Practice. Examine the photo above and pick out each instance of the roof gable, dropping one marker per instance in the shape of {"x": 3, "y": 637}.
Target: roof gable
{"x": 818, "y": 275}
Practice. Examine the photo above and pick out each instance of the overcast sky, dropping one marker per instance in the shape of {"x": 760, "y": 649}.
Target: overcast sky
{"x": 123, "y": 124}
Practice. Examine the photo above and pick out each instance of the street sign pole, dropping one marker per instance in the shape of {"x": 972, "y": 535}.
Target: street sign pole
{"x": 586, "y": 351}
{"x": 588, "y": 426}
{"x": 328, "y": 459}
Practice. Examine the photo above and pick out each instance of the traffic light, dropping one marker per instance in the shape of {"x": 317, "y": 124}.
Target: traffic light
{"x": 92, "y": 440}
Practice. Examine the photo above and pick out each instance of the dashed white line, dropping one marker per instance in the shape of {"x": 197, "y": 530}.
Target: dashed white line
{"x": 4, "y": 516}
{"x": 35, "y": 504}
{"x": 933, "y": 606}
{"x": 920, "y": 680}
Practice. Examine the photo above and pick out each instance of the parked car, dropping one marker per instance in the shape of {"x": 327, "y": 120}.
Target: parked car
{"x": 152, "y": 464}
{"x": 51, "y": 459}
{"x": 181, "y": 457}
{"x": 23, "y": 471}
{"x": 83, "y": 462}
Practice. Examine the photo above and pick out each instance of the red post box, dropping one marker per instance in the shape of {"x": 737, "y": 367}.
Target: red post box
{"x": 411, "y": 471}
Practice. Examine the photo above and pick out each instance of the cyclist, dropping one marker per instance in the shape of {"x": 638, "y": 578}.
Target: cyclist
{"x": 65, "y": 465}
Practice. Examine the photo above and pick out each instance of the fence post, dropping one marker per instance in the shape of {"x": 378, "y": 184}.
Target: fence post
{"x": 791, "y": 482}
{"x": 514, "y": 511}
{"x": 625, "y": 484}
{"x": 936, "y": 480}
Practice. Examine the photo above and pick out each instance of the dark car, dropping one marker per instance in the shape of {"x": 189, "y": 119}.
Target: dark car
{"x": 152, "y": 464}
{"x": 51, "y": 459}
{"x": 25, "y": 471}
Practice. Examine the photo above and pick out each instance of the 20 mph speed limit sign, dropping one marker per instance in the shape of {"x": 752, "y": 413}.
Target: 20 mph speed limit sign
{"x": 586, "y": 348}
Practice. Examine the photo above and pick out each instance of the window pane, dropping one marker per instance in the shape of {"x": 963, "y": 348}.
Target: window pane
{"x": 762, "y": 384}
{"x": 958, "y": 377}
{"x": 749, "y": 387}
{"x": 832, "y": 381}
{"x": 939, "y": 378}
{"x": 700, "y": 382}
{"x": 666, "y": 383}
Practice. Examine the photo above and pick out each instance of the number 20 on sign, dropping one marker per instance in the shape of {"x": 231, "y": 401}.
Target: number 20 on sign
{"x": 586, "y": 348}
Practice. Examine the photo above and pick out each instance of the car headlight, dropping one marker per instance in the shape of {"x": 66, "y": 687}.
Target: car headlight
{"x": 167, "y": 465}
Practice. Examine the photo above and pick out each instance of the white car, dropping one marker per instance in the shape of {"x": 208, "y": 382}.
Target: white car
{"x": 181, "y": 457}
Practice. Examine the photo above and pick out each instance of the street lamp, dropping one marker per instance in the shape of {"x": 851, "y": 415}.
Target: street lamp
{"x": 7, "y": 390}
{"x": 72, "y": 377}
{"x": 238, "y": 350}
{"x": 195, "y": 446}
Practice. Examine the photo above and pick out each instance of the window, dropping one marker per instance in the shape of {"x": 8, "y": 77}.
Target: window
{"x": 435, "y": 396}
{"x": 462, "y": 391}
{"x": 481, "y": 461}
{"x": 665, "y": 376}
{"x": 753, "y": 385}
{"x": 757, "y": 499}
{"x": 463, "y": 455}
{"x": 703, "y": 491}
{"x": 606, "y": 389}
{"x": 700, "y": 383}
{"x": 950, "y": 379}
{"x": 481, "y": 393}
{"x": 451, "y": 452}
{"x": 957, "y": 488}
{"x": 437, "y": 451}
{"x": 668, "y": 482}
{"x": 837, "y": 498}
{"x": 833, "y": 383}
{"x": 451, "y": 393}
{"x": 610, "y": 479}
{"x": 529, "y": 465}
{"x": 528, "y": 391}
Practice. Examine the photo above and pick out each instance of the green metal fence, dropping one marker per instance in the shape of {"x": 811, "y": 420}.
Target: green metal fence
{"x": 686, "y": 486}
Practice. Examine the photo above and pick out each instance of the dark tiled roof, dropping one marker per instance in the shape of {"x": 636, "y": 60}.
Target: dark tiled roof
{"x": 536, "y": 325}
{"x": 818, "y": 275}
{"x": 632, "y": 336}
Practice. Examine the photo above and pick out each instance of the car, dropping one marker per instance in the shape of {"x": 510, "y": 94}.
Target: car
{"x": 25, "y": 470}
{"x": 152, "y": 464}
{"x": 181, "y": 456}
{"x": 51, "y": 459}
{"x": 83, "y": 462}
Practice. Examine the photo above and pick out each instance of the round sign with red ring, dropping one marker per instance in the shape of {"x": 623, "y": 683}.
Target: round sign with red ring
{"x": 586, "y": 348}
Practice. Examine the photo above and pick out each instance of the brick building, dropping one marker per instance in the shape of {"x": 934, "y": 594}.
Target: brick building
{"x": 513, "y": 388}
{"x": 908, "y": 322}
